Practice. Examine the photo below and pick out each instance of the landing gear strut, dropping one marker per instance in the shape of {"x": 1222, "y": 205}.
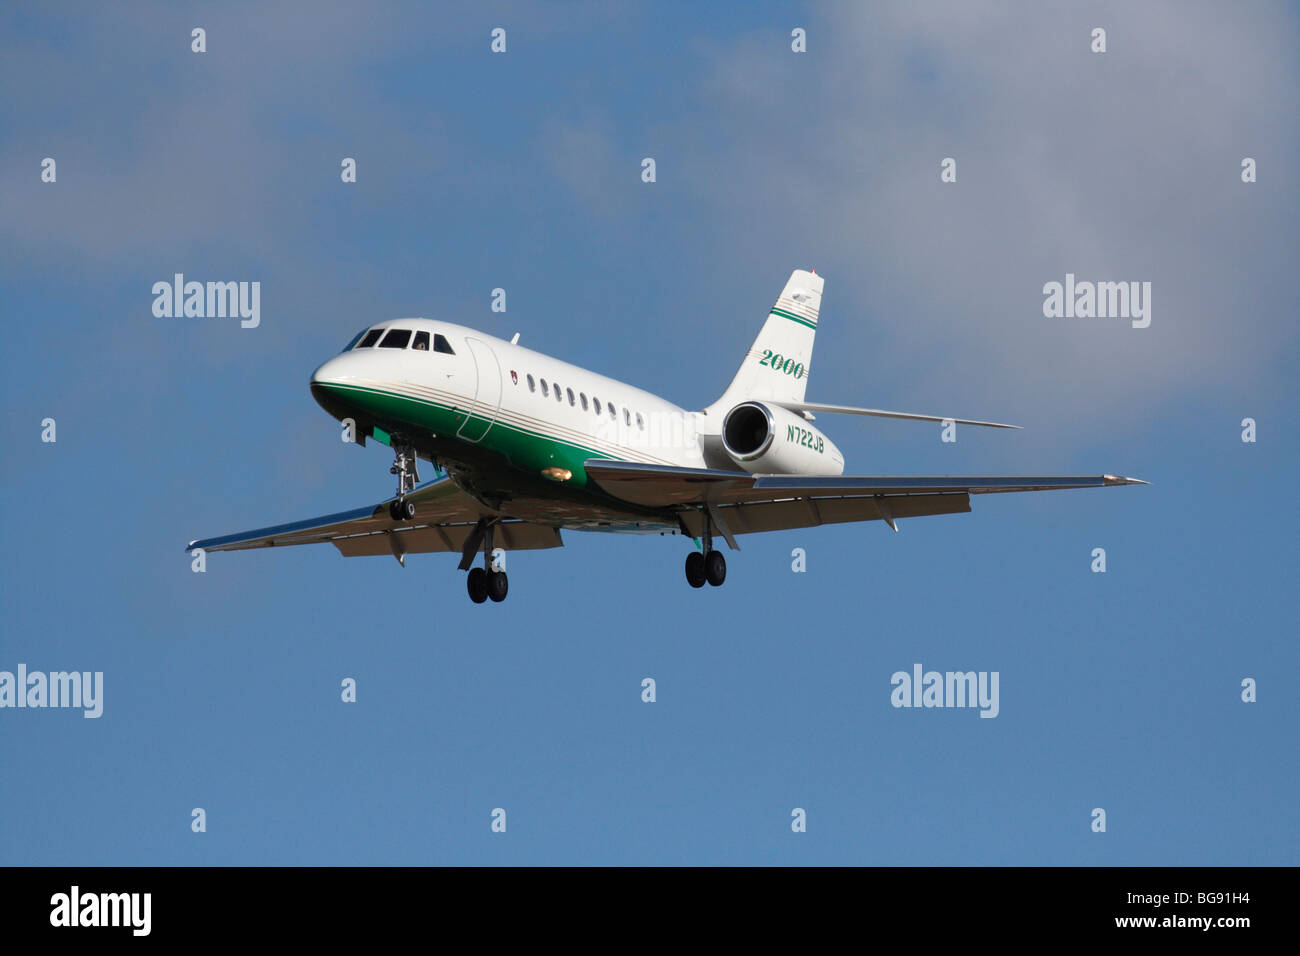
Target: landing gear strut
{"x": 485, "y": 582}
{"x": 407, "y": 471}
{"x": 709, "y": 566}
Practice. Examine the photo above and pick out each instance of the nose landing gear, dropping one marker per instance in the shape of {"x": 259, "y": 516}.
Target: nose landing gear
{"x": 408, "y": 473}
{"x": 402, "y": 509}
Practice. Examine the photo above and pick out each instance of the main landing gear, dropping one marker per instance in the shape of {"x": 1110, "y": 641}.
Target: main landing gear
{"x": 404, "y": 467}
{"x": 485, "y": 582}
{"x": 707, "y": 566}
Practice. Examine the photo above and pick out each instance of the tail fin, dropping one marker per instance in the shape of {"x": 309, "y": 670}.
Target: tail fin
{"x": 777, "y": 365}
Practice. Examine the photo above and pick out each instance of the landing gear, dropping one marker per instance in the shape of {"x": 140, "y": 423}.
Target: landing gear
{"x": 477, "y": 583}
{"x": 408, "y": 473}
{"x": 695, "y": 573}
{"x": 485, "y": 582}
{"x": 706, "y": 566}
{"x": 715, "y": 568}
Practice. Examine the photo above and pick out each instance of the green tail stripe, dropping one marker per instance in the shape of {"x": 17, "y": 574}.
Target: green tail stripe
{"x": 795, "y": 318}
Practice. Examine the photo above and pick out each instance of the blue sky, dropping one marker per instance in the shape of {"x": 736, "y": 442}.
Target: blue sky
{"x": 475, "y": 171}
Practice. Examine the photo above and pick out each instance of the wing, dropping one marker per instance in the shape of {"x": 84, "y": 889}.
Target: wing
{"x": 445, "y": 518}
{"x": 741, "y": 503}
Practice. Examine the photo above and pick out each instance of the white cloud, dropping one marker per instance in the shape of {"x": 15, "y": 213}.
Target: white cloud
{"x": 1118, "y": 166}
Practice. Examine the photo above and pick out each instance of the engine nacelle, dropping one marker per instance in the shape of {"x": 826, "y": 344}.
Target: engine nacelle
{"x": 768, "y": 439}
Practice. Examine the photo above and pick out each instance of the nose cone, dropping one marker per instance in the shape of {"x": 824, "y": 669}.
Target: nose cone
{"x": 331, "y": 372}
{"x": 326, "y": 382}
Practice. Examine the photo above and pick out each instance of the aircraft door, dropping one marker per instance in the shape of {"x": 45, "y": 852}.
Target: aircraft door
{"x": 487, "y": 394}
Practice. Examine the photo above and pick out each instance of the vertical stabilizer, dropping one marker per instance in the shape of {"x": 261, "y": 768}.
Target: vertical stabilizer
{"x": 777, "y": 364}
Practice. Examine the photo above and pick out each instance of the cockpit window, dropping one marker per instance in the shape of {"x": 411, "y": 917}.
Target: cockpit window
{"x": 354, "y": 340}
{"x": 396, "y": 339}
{"x": 370, "y": 339}
{"x": 440, "y": 344}
{"x": 421, "y": 342}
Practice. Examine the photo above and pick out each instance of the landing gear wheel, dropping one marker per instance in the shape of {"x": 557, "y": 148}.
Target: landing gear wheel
{"x": 695, "y": 575}
{"x": 497, "y": 585}
{"x": 715, "y": 568}
{"x": 477, "y": 584}
{"x": 401, "y": 509}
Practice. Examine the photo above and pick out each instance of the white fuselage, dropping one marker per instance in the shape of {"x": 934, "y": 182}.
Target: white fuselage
{"x": 502, "y": 397}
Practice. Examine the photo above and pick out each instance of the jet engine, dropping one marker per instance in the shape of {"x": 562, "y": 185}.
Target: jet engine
{"x": 767, "y": 439}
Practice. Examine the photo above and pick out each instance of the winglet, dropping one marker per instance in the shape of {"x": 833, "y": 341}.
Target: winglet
{"x": 1121, "y": 480}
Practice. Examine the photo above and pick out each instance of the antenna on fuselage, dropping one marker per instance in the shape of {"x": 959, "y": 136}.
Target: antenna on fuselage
{"x": 515, "y": 339}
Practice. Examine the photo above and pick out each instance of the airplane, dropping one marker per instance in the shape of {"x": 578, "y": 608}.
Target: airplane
{"x": 526, "y": 446}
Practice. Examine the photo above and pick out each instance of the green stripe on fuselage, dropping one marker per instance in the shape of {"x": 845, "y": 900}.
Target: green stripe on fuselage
{"x": 523, "y": 448}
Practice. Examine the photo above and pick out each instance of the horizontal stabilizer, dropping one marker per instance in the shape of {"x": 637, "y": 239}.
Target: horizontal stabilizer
{"x": 881, "y": 413}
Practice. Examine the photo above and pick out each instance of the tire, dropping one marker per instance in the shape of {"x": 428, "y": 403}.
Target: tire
{"x": 715, "y": 568}
{"x": 406, "y": 509}
{"x": 393, "y": 512}
{"x": 695, "y": 576}
{"x": 477, "y": 585}
{"x": 498, "y": 585}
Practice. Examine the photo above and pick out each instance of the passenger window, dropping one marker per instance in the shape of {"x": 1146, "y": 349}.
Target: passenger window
{"x": 545, "y": 392}
{"x": 371, "y": 338}
{"x": 396, "y": 339}
{"x": 595, "y": 404}
{"x": 627, "y": 417}
{"x": 640, "y": 422}
{"x": 613, "y": 412}
{"x": 440, "y": 344}
{"x": 421, "y": 342}
{"x": 558, "y": 396}
{"x": 532, "y": 385}
{"x": 571, "y": 401}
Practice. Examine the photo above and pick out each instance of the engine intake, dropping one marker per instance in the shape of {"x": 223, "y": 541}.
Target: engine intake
{"x": 769, "y": 439}
{"x": 747, "y": 431}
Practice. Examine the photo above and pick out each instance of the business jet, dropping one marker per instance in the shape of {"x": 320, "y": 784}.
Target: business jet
{"x": 526, "y": 446}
